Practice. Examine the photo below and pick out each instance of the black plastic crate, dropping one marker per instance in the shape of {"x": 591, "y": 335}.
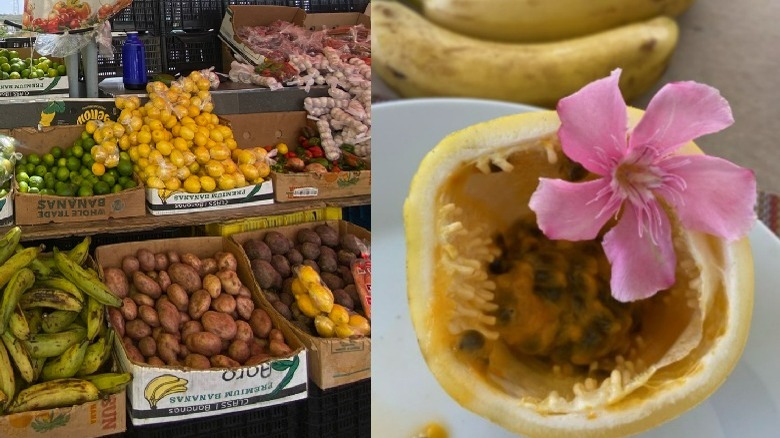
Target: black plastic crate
{"x": 188, "y": 51}
{"x": 340, "y": 412}
{"x": 18, "y": 42}
{"x": 141, "y": 16}
{"x": 319, "y": 6}
{"x": 112, "y": 67}
{"x": 359, "y": 215}
{"x": 261, "y": 2}
{"x": 279, "y": 421}
{"x": 191, "y": 15}
{"x": 66, "y": 243}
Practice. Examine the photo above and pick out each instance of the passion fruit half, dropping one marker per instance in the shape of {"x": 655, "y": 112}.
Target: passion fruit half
{"x": 523, "y": 330}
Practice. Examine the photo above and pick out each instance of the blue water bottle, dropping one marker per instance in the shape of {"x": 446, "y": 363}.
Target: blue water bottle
{"x": 133, "y": 62}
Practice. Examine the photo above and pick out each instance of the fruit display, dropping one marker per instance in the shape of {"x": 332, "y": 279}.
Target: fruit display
{"x": 176, "y": 143}
{"x": 13, "y": 66}
{"x": 308, "y": 156}
{"x": 309, "y": 280}
{"x": 416, "y": 57}
{"x": 593, "y": 318}
{"x": 181, "y": 310}
{"x": 8, "y": 157}
{"x": 72, "y": 171}
{"x": 54, "y": 16}
{"x": 55, "y": 343}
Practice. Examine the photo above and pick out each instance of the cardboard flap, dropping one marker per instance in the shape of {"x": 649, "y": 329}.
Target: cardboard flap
{"x": 263, "y": 129}
{"x": 336, "y": 19}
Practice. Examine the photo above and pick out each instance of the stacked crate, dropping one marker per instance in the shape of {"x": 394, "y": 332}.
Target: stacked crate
{"x": 190, "y": 29}
{"x": 141, "y": 16}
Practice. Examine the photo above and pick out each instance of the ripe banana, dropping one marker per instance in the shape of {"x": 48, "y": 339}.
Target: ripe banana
{"x": 19, "y": 282}
{"x": 110, "y": 383}
{"x": 53, "y": 344}
{"x": 95, "y": 313}
{"x": 62, "y": 284}
{"x": 54, "y": 394}
{"x": 161, "y": 386}
{"x": 20, "y": 356}
{"x": 536, "y": 21}
{"x": 18, "y": 325}
{"x": 65, "y": 365}
{"x": 418, "y": 58}
{"x": 50, "y": 298}
{"x": 7, "y": 380}
{"x": 80, "y": 252}
{"x": 58, "y": 320}
{"x": 88, "y": 283}
{"x": 34, "y": 319}
{"x": 97, "y": 354}
{"x": 9, "y": 242}
{"x": 18, "y": 261}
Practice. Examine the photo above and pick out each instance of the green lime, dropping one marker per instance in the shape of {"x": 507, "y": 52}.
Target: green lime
{"x": 3, "y": 193}
{"x": 52, "y": 73}
{"x": 49, "y": 182}
{"x": 101, "y": 188}
{"x": 35, "y": 190}
{"x": 129, "y": 184}
{"x": 17, "y": 68}
{"x": 30, "y": 168}
{"x": 36, "y": 181}
{"x": 14, "y": 75}
{"x": 68, "y": 152}
{"x": 84, "y": 135}
{"x": 117, "y": 188}
{"x": 33, "y": 75}
{"x": 40, "y": 170}
{"x": 47, "y": 191}
{"x": 79, "y": 141}
{"x": 87, "y": 160}
{"x": 62, "y": 162}
{"x": 74, "y": 163}
{"x": 48, "y": 160}
{"x": 63, "y": 173}
{"x": 113, "y": 172}
{"x": 22, "y": 176}
{"x": 6, "y": 67}
{"x": 23, "y": 161}
{"x": 5, "y": 76}
{"x": 85, "y": 190}
{"x": 56, "y": 151}
{"x": 66, "y": 190}
{"x": 123, "y": 180}
{"x": 25, "y": 73}
{"x": 39, "y": 73}
{"x": 34, "y": 159}
{"x": 13, "y": 54}
{"x": 61, "y": 70}
{"x": 86, "y": 172}
{"x": 88, "y": 143}
{"x": 124, "y": 156}
{"x": 24, "y": 187}
{"x": 108, "y": 179}
{"x": 76, "y": 179}
{"x": 125, "y": 167}
{"x": 3, "y": 59}
{"x": 78, "y": 151}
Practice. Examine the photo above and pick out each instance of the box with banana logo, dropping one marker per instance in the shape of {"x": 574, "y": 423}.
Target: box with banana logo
{"x": 187, "y": 375}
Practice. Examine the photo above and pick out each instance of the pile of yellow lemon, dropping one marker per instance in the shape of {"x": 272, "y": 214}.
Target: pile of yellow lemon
{"x": 175, "y": 142}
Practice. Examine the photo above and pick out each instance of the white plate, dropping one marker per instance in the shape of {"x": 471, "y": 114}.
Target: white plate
{"x": 404, "y": 394}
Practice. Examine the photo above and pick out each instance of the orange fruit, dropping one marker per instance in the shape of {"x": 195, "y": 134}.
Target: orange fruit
{"x": 207, "y": 183}
{"x": 98, "y": 169}
{"x": 192, "y": 184}
{"x": 214, "y": 169}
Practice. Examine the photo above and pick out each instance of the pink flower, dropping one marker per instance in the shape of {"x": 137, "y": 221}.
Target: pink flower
{"x": 641, "y": 178}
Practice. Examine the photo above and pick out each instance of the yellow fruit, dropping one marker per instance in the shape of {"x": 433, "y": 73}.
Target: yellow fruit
{"x": 249, "y": 171}
{"x": 120, "y": 102}
{"x": 240, "y": 179}
{"x": 339, "y": 314}
{"x": 158, "y": 135}
{"x": 155, "y": 156}
{"x": 226, "y": 182}
{"x": 112, "y": 160}
{"x": 244, "y": 156}
{"x": 183, "y": 173}
{"x": 193, "y": 111}
{"x": 155, "y": 182}
{"x": 263, "y": 169}
{"x": 472, "y": 341}
{"x": 189, "y": 157}
{"x": 282, "y": 148}
{"x": 216, "y": 135}
{"x": 207, "y": 183}
{"x": 173, "y": 184}
{"x": 192, "y": 184}
{"x": 180, "y": 144}
{"x": 194, "y": 167}
{"x": 321, "y": 296}
{"x": 308, "y": 275}
{"x": 144, "y": 137}
{"x": 133, "y": 102}
{"x": 124, "y": 142}
{"x": 133, "y": 152}
{"x": 230, "y": 166}
{"x": 136, "y": 123}
{"x": 297, "y": 287}
{"x": 165, "y": 147}
{"x": 186, "y": 133}
{"x": 344, "y": 331}
{"x": 306, "y": 305}
{"x": 325, "y": 326}
{"x": 360, "y": 324}
{"x": 202, "y": 154}
{"x": 144, "y": 150}
{"x": 91, "y": 126}
{"x": 98, "y": 169}
{"x": 214, "y": 169}
{"x": 176, "y": 157}
{"x": 231, "y": 143}
{"x": 219, "y": 152}
{"x": 226, "y": 132}
{"x": 208, "y": 107}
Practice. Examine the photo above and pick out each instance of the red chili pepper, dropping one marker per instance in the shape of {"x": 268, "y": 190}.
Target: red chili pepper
{"x": 290, "y": 155}
{"x": 335, "y": 168}
{"x": 307, "y": 154}
{"x": 316, "y": 151}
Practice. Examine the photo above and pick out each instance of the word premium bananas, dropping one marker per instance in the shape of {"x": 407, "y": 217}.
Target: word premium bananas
{"x": 418, "y": 58}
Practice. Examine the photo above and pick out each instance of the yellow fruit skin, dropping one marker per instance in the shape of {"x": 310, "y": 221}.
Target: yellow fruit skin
{"x": 306, "y": 305}
{"x": 321, "y": 296}
{"x": 325, "y": 326}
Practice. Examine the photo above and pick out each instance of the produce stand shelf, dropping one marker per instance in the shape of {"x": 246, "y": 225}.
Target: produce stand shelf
{"x": 149, "y": 222}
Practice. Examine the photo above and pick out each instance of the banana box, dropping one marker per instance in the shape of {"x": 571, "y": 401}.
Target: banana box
{"x": 21, "y": 88}
{"x": 332, "y": 361}
{"x": 165, "y": 394}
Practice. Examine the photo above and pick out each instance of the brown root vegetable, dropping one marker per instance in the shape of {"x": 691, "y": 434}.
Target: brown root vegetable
{"x": 130, "y": 264}
{"x": 164, "y": 280}
{"x": 186, "y": 276}
{"x": 342, "y": 298}
{"x": 156, "y": 332}
{"x": 309, "y": 250}
{"x": 197, "y": 361}
{"x": 345, "y": 272}
{"x": 213, "y": 285}
{"x": 155, "y": 361}
{"x": 257, "y": 249}
{"x": 351, "y": 290}
{"x": 129, "y": 309}
{"x": 169, "y": 316}
{"x": 226, "y": 261}
{"x": 149, "y": 316}
{"x": 279, "y": 348}
{"x": 229, "y": 281}
{"x": 281, "y": 265}
{"x": 352, "y": 243}
{"x": 146, "y": 285}
{"x": 257, "y": 359}
{"x": 308, "y": 235}
{"x": 244, "y": 331}
{"x": 238, "y": 351}
{"x": 183, "y": 351}
{"x": 345, "y": 258}
{"x": 200, "y": 302}
{"x": 220, "y": 324}
{"x": 331, "y": 280}
{"x": 146, "y": 260}
{"x": 315, "y": 168}
{"x": 184, "y": 317}
{"x": 328, "y": 235}
{"x": 264, "y": 272}
{"x": 276, "y": 334}
{"x": 147, "y": 346}
{"x": 224, "y": 303}
{"x": 283, "y": 309}
{"x": 277, "y": 242}
{"x": 327, "y": 260}
{"x": 168, "y": 348}
{"x": 294, "y": 257}
{"x": 161, "y": 261}
{"x": 244, "y": 291}
{"x": 190, "y": 327}
{"x": 116, "y": 281}
{"x": 137, "y": 329}
{"x": 261, "y": 323}
{"x": 222, "y": 361}
{"x": 287, "y": 298}
{"x": 117, "y": 320}
{"x": 192, "y": 260}
{"x": 173, "y": 257}
{"x": 205, "y": 343}
{"x": 141, "y": 299}
{"x": 287, "y": 285}
{"x": 271, "y": 296}
{"x": 258, "y": 346}
{"x": 178, "y": 296}
{"x": 133, "y": 353}
{"x": 294, "y": 164}
{"x": 208, "y": 266}
{"x": 244, "y": 307}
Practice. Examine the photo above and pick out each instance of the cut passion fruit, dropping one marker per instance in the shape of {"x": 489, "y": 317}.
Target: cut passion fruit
{"x": 523, "y": 330}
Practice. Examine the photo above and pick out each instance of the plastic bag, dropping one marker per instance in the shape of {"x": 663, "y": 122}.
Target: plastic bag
{"x": 66, "y": 44}
{"x": 54, "y": 16}
{"x": 8, "y": 157}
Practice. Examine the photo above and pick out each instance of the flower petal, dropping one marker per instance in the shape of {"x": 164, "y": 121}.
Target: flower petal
{"x": 594, "y": 124}
{"x": 678, "y": 113}
{"x": 719, "y": 197}
{"x": 569, "y": 211}
{"x": 640, "y": 268}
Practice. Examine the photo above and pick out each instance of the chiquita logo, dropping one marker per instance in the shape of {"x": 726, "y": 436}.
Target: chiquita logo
{"x": 162, "y": 386}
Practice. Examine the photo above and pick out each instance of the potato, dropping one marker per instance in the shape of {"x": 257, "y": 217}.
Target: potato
{"x": 352, "y": 243}
{"x": 164, "y": 280}
{"x": 116, "y": 280}
{"x": 117, "y": 320}
{"x": 149, "y": 316}
{"x": 197, "y": 361}
{"x": 147, "y": 346}
{"x": 344, "y": 257}
{"x": 276, "y": 334}
{"x": 146, "y": 285}
{"x": 156, "y": 331}
{"x": 168, "y": 348}
{"x": 137, "y": 329}
{"x": 205, "y": 343}
{"x": 186, "y": 276}
{"x": 226, "y": 261}
{"x": 342, "y": 298}
{"x": 244, "y": 307}
{"x": 178, "y": 296}
{"x": 141, "y": 299}
{"x": 230, "y": 281}
{"x": 257, "y": 249}
{"x": 258, "y": 346}
{"x": 313, "y": 265}
{"x": 146, "y": 260}
{"x": 309, "y": 250}
{"x": 277, "y": 242}
{"x": 261, "y": 323}
{"x": 281, "y": 264}
{"x": 287, "y": 285}
{"x": 345, "y": 272}
{"x": 243, "y": 331}
{"x": 129, "y": 309}
{"x": 161, "y": 261}
{"x": 328, "y": 235}
{"x": 271, "y": 296}
{"x": 264, "y": 272}
{"x": 208, "y": 266}
{"x": 238, "y": 351}
{"x": 351, "y": 290}
{"x": 222, "y": 361}
{"x": 333, "y": 281}
{"x": 294, "y": 257}
{"x": 190, "y": 327}
{"x": 155, "y": 361}
{"x": 279, "y": 348}
{"x": 244, "y": 291}
{"x": 183, "y": 351}
{"x": 224, "y": 303}
{"x": 257, "y": 359}
{"x": 133, "y": 353}
{"x": 308, "y": 235}
{"x": 220, "y": 324}
{"x": 183, "y": 317}
{"x": 213, "y": 285}
{"x": 151, "y": 274}
{"x": 200, "y": 301}
{"x": 192, "y": 260}
{"x": 283, "y": 309}
{"x": 130, "y": 264}
{"x": 327, "y": 260}
{"x": 169, "y": 316}
{"x": 173, "y": 257}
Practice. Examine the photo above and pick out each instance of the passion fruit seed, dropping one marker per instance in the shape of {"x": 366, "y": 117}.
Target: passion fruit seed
{"x": 471, "y": 340}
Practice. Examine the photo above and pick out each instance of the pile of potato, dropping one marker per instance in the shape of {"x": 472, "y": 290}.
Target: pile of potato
{"x": 272, "y": 256}
{"x": 180, "y": 310}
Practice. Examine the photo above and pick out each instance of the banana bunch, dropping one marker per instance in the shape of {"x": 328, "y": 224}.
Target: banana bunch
{"x": 444, "y": 54}
{"x": 163, "y": 386}
{"x": 315, "y": 300}
{"x": 53, "y": 337}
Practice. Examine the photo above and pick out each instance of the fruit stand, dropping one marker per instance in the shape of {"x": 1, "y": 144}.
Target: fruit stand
{"x": 127, "y": 244}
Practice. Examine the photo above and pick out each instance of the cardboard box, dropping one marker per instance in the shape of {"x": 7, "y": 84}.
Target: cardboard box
{"x": 33, "y": 209}
{"x": 164, "y": 202}
{"x": 335, "y": 19}
{"x": 208, "y": 392}
{"x": 14, "y": 88}
{"x": 7, "y": 209}
{"x": 77, "y": 112}
{"x": 238, "y": 16}
{"x": 332, "y": 362}
{"x": 89, "y": 420}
